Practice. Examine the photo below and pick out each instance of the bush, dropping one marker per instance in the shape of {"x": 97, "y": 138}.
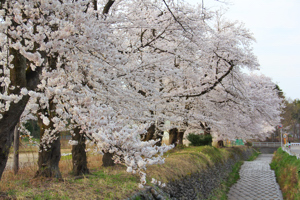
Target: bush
{"x": 199, "y": 140}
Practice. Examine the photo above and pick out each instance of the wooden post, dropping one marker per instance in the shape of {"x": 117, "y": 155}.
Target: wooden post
{"x": 16, "y": 149}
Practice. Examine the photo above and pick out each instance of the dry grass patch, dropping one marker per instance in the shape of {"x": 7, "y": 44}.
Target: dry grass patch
{"x": 101, "y": 183}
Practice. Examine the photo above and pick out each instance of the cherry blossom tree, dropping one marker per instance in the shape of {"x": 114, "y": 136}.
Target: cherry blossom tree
{"x": 110, "y": 70}
{"x": 72, "y": 88}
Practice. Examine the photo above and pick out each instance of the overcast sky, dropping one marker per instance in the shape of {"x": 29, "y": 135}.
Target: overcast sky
{"x": 276, "y": 27}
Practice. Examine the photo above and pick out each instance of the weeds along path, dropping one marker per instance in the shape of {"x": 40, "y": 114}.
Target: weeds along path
{"x": 257, "y": 181}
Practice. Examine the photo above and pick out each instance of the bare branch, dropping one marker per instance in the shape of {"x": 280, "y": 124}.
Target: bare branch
{"x": 174, "y": 16}
{"x": 219, "y": 80}
{"x": 107, "y": 7}
{"x": 95, "y": 4}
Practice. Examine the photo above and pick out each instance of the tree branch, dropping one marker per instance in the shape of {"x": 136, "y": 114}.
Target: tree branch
{"x": 174, "y": 16}
{"x": 219, "y": 80}
{"x": 107, "y": 7}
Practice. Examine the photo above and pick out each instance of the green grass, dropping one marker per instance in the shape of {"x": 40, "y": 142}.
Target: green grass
{"x": 287, "y": 170}
{"x": 68, "y": 157}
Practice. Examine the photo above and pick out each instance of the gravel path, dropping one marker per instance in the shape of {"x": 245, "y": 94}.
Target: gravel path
{"x": 257, "y": 181}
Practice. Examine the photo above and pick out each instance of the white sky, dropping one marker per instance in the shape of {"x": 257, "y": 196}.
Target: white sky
{"x": 276, "y": 27}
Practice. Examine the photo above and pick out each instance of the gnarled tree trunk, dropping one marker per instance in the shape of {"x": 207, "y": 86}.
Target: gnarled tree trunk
{"x": 220, "y": 144}
{"x": 180, "y": 137}
{"x": 49, "y": 158}
{"x": 22, "y": 77}
{"x": 173, "y": 136}
{"x": 151, "y": 135}
{"x": 176, "y": 137}
{"x": 160, "y": 137}
{"x": 7, "y": 124}
{"x": 107, "y": 160}
{"x": 79, "y": 158}
{"x": 5, "y": 143}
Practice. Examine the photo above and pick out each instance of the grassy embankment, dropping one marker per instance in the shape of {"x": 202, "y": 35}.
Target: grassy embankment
{"x": 111, "y": 182}
{"x": 287, "y": 170}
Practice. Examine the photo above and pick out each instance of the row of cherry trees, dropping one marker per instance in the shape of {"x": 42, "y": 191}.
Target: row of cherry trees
{"x": 108, "y": 71}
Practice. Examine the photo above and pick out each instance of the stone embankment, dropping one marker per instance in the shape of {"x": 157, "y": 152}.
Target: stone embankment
{"x": 194, "y": 186}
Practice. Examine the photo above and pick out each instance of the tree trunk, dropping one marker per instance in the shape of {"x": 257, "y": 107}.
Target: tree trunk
{"x": 159, "y": 136}
{"x": 16, "y": 149}
{"x": 49, "y": 158}
{"x": 79, "y": 158}
{"x": 107, "y": 6}
{"x": 5, "y": 143}
{"x": 22, "y": 77}
{"x": 150, "y": 135}
{"x": 205, "y": 128}
{"x": 107, "y": 160}
{"x": 11, "y": 117}
{"x": 220, "y": 144}
{"x": 173, "y": 136}
{"x": 180, "y": 138}
{"x": 176, "y": 137}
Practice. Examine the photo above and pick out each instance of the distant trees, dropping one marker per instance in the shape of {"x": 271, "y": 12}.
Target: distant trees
{"x": 291, "y": 117}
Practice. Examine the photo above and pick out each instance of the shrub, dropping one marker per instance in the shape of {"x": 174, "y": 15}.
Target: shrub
{"x": 199, "y": 140}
